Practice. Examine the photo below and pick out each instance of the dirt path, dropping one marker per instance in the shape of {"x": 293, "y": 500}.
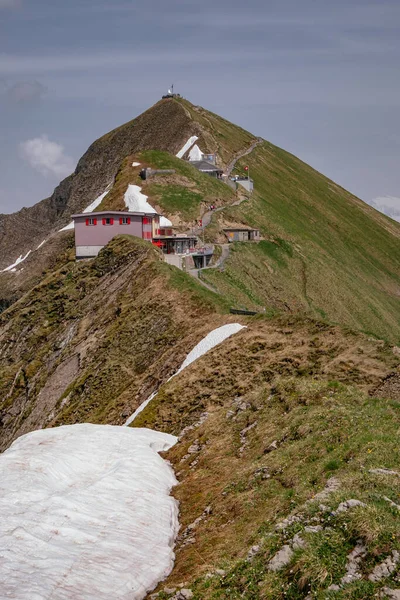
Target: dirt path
{"x": 242, "y": 153}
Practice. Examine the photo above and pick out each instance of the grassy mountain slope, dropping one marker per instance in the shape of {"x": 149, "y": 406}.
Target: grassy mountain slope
{"x": 264, "y": 422}
{"x": 324, "y": 251}
{"x": 92, "y": 340}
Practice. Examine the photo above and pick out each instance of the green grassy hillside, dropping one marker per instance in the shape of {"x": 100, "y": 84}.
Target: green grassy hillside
{"x": 325, "y": 251}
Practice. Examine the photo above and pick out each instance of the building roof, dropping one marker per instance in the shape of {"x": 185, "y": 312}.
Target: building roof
{"x": 119, "y": 213}
{"x": 204, "y": 165}
{"x": 240, "y": 229}
{"x": 178, "y": 238}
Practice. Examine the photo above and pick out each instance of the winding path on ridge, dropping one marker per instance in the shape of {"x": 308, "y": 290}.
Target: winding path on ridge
{"x": 242, "y": 153}
{"x": 207, "y": 216}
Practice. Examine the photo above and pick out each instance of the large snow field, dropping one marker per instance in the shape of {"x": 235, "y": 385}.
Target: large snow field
{"x": 187, "y": 145}
{"x": 86, "y": 514}
{"x": 214, "y": 338}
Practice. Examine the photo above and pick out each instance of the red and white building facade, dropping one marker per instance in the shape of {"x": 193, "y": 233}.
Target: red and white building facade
{"x": 94, "y": 230}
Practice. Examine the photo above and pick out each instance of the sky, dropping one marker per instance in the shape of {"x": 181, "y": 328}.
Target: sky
{"x": 316, "y": 77}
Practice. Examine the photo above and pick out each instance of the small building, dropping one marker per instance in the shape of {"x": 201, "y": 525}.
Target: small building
{"x": 147, "y": 172}
{"x": 94, "y": 230}
{"x": 242, "y": 234}
{"x": 245, "y": 182}
{"x": 206, "y": 167}
{"x": 175, "y": 244}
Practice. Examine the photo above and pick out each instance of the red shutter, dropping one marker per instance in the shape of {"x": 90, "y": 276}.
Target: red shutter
{"x": 103, "y": 221}
{"x": 94, "y": 221}
{"x": 145, "y": 221}
{"x": 87, "y": 222}
{"x": 111, "y": 221}
{"x": 128, "y": 220}
{"x": 120, "y": 220}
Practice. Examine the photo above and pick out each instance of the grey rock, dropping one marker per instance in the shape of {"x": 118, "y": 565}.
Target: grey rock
{"x": 389, "y": 593}
{"x": 384, "y": 472}
{"x": 298, "y": 542}
{"x": 169, "y": 590}
{"x": 385, "y": 568}
{"x": 220, "y": 572}
{"x": 281, "y": 558}
{"x": 185, "y": 594}
{"x": 344, "y": 506}
{"x": 313, "y": 528}
{"x": 273, "y": 446}
{"x": 254, "y": 550}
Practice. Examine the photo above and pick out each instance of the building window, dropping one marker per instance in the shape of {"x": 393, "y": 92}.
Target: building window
{"x": 91, "y": 221}
{"x": 108, "y": 221}
{"x": 125, "y": 221}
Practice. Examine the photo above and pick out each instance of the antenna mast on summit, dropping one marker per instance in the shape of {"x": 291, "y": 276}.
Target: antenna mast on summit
{"x": 172, "y": 89}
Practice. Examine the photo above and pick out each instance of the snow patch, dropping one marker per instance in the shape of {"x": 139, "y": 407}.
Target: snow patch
{"x": 19, "y": 260}
{"x": 214, "y": 338}
{"x": 41, "y": 244}
{"x": 135, "y": 164}
{"x": 86, "y": 513}
{"x": 164, "y": 222}
{"x": 135, "y": 201}
{"x": 88, "y": 209}
{"x": 186, "y": 146}
{"x": 195, "y": 153}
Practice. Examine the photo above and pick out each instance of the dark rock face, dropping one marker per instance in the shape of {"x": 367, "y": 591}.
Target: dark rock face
{"x": 165, "y": 126}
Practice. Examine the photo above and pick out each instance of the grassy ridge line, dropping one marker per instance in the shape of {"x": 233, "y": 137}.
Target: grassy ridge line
{"x": 91, "y": 340}
{"x": 272, "y": 415}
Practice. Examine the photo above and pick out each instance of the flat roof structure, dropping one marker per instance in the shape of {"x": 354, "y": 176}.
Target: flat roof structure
{"x": 118, "y": 213}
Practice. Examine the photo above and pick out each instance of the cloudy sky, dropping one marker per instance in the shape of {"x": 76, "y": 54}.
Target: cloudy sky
{"x": 316, "y": 77}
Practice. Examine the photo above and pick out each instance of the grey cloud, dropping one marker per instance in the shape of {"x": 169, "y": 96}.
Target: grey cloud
{"x": 388, "y": 205}
{"x": 10, "y": 4}
{"x": 23, "y": 92}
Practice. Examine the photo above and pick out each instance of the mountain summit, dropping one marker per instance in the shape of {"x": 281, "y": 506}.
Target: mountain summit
{"x": 323, "y": 251}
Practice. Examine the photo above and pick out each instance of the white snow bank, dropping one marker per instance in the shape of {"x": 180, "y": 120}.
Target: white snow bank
{"x": 67, "y": 227}
{"x": 135, "y": 201}
{"x": 215, "y": 337}
{"x": 186, "y": 146}
{"x": 86, "y": 513}
{"x": 135, "y": 164}
{"x": 88, "y": 209}
{"x": 195, "y": 153}
{"x": 19, "y": 260}
{"x": 164, "y": 222}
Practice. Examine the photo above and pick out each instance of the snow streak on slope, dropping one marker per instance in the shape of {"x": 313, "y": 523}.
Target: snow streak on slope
{"x": 186, "y": 146}
{"x": 19, "y": 260}
{"x": 164, "y": 222}
{"x": 86, "y": 513}
{"x": 88, "y": 209}
{"x": 195, "y": 153}
{"x": 135, "y": 201}
{"x": 135, "y": 164}
{"x": 215, "y": 337}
